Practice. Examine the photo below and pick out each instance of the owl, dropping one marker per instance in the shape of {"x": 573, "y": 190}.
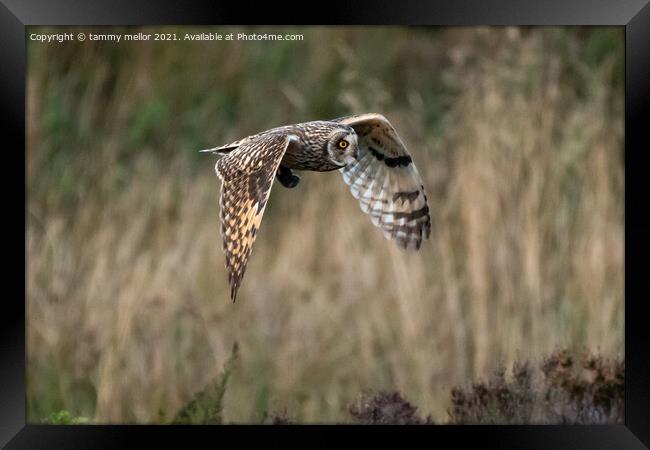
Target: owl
{"x": 365, "y": 149}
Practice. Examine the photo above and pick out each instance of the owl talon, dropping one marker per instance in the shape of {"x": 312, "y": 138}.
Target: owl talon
{"x": 287, "y": 178}
{"x": 290, "y": 182}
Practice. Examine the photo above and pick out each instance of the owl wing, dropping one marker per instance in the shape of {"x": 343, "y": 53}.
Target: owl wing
{"x": 386, "y": 183}
{"x": 246, "y": 175}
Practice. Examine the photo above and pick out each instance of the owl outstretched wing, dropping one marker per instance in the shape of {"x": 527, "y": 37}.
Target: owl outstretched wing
{"x": 385, "y": 181}
{"x": 246, "y": 175}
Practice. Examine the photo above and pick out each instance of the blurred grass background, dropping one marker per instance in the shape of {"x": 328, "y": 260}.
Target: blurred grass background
{"x": 517, "y": 132}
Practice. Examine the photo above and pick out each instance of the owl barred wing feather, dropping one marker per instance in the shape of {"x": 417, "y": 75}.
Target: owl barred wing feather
{"x": 247, "y": 175}
{"x": 385, "y": 181}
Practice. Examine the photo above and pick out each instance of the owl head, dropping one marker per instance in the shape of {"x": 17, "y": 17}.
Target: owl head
{"x": 342, "y": 145}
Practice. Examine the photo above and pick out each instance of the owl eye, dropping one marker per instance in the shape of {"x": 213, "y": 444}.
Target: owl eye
{"x": 343, "y": 143}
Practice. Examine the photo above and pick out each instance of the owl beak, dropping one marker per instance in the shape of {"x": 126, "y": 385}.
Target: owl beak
{"x": 351, "y": 159}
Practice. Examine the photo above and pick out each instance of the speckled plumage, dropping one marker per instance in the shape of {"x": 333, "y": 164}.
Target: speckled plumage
{"x": 374, "y": 162}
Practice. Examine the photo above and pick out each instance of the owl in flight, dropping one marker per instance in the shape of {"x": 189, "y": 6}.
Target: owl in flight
{"x": 364, "y": 148}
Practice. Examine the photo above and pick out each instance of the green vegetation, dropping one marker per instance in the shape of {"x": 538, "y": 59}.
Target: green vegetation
{"x": 207, "y": 406}
{"x": 64, "y": 417}
{"x": 564, "y": 390}
{"x": 517, "y": 133}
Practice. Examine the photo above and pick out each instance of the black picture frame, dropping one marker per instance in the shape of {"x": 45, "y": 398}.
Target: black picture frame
{"x": 633, "y": 15}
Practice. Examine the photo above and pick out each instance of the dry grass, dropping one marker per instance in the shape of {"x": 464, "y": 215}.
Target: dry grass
{"x": 518, "y": 136}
